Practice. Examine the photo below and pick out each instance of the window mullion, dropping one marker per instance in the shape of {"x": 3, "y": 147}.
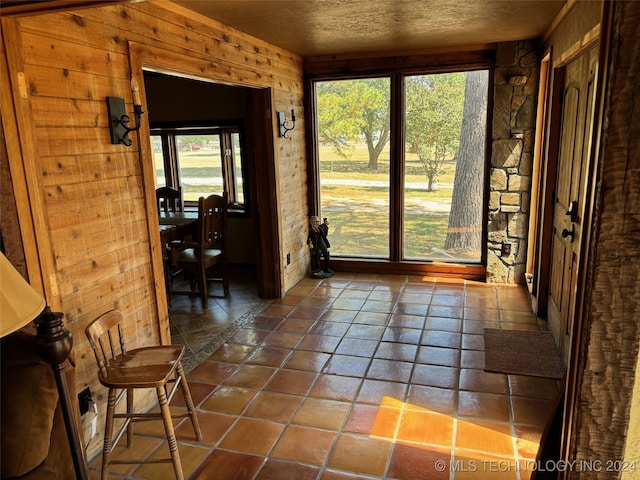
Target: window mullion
{"x": 396, "y": 189}
{"x": 227, "y": 165}
{"x": 170, "y": 160}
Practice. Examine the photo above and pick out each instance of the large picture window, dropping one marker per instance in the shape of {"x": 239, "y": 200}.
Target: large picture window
{"x": 353, "y": 134}
{"x": 402, "y": 165}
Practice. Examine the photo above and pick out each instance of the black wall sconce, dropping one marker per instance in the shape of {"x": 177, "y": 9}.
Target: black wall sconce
{"x": 284, "y": 123}
{"x": 118, "y": 118}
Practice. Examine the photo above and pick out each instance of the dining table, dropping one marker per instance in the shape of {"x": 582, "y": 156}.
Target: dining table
{"x": 179, "y": 219}
{"x": 174, "y": 226}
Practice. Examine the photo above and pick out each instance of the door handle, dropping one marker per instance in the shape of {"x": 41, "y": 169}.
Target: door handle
{"x": 568, "y": 233}
{"x": 572, "y": 213}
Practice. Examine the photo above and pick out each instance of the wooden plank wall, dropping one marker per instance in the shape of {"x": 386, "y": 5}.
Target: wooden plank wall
{"x": 94, "y": 208}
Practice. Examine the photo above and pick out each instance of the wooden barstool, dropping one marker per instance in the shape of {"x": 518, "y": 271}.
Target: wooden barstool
{"x": 123, "y": 371}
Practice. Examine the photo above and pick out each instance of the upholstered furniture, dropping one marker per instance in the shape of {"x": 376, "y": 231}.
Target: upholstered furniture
{"x": 34, "y": 439}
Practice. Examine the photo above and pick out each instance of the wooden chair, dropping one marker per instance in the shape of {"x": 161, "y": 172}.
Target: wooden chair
{"x": 207, "y": 249}
{"x": 122, "y": 371}
{"x": 169, "y": 199}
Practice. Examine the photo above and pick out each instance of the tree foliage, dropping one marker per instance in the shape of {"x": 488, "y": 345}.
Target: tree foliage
{"x": 434, "y": 105}
{"x": 189, "y": 142}
{"x": 349, "y": 110}
{"x": 445, "y": 117}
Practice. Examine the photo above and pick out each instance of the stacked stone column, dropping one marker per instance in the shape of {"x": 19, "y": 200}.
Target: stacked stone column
{"x": 514, "y": 116}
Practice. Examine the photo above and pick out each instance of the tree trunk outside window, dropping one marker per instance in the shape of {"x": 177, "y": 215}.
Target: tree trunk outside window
{"x": 464, "y": 234}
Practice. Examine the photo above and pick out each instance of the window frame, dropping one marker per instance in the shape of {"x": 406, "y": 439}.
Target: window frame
{"x": 168, "y": 133}
{"x": 397, "y": 68}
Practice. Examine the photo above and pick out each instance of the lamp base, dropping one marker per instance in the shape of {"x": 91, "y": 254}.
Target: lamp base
{"x": 53, "y": 343}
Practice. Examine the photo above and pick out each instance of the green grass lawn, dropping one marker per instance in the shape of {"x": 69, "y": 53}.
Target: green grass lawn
{"x": 356, "y": 167}
{"x": 356, "y": 234}
{"x": 359, "y": 215}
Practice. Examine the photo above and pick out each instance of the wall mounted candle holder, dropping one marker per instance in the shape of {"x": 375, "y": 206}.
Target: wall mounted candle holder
{"x": 119, "y": 121}
{"x": 286, "y": 125}
{"x": 118, "y": 118}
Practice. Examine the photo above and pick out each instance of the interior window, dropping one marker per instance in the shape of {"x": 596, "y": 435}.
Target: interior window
{"x": 199, "y": 165}
{"x": 203, "y": 161}
{"x": 158, "y": 160}
{"x": 237, "y": 161}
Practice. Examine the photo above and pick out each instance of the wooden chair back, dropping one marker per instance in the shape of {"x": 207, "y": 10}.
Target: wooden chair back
{"x": 169, "y": 199}
{"x": 122, "y": 372}
{"x": 212, "y": 223}
{"x": 106, "y": 338}
{"x": 207, "y": 247}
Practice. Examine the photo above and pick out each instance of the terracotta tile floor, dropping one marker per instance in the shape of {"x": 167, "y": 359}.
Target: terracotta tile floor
{"x": 357, "y": 377}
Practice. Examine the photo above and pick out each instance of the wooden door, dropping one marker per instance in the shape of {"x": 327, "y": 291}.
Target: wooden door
{"x": 569, "y": 194}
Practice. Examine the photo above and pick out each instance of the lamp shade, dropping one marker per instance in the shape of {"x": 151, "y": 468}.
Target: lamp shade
{"x": 19, "y": 302}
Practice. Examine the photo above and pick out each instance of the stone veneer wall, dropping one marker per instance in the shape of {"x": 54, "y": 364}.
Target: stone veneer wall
{"x": 514, "y": 115}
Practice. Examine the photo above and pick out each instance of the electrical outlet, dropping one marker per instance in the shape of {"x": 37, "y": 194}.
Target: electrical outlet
{"x": 84, "y": 399}
{"x": 288, "y": 259}
{"x": 506, "y": 249}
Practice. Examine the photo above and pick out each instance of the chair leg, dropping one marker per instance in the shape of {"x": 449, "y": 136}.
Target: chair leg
{"x": 192, "y": 282}
{"x": 204, "y": 291}
{"x": 189, "y": 401}
{"x": 108, "y": 433}
{"x": 129, "y": 411}
{"x": 168, "y": 279}
{"x": 171, "y": 435}
{"x": 225, "y": 278}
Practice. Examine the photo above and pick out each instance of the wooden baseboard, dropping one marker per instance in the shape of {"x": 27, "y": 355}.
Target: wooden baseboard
{"x": 440, "y": 269}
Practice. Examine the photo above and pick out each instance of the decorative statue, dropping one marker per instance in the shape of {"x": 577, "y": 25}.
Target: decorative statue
{"x": 319, "y": 244}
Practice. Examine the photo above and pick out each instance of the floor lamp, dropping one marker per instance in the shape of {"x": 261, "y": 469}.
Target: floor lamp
{"x": 21, "y": 304}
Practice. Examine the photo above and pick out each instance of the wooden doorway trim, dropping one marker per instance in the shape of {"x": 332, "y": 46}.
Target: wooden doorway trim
{"x": 264, "y": 193}
{"x": 545, "y": 228}
{"x": 21, "y": 152}
{"x": 535, "y": 214}
{"x": 261, "y": 157}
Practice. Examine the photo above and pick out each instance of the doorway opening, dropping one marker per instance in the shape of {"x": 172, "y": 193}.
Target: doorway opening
{"x": 252, "y": 218}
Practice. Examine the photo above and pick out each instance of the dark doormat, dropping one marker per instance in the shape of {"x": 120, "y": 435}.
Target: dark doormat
{"x": 521, "y": 352}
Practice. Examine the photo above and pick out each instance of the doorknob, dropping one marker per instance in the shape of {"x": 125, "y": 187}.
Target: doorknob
{"x": 568, "y": 233}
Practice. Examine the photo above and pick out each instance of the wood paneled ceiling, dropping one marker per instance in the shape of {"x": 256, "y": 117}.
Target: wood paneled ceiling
{"x": 332, "y": 27}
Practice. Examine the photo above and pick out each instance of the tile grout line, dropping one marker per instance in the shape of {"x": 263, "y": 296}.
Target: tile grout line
{"x": 464, "y": 322}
